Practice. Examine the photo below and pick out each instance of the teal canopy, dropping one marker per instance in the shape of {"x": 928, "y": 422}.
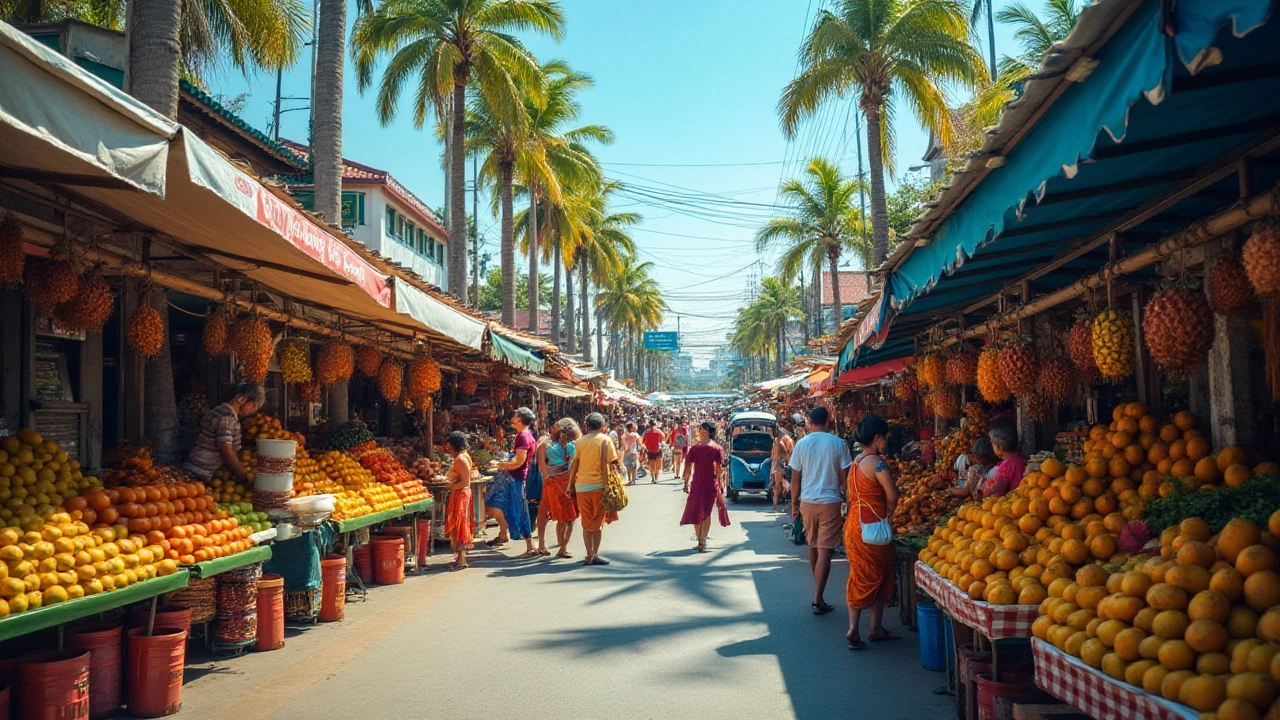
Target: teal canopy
{"x": 508, "y": 350}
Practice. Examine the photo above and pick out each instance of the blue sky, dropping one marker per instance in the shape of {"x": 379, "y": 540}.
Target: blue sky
{"x": 690, "y": 88}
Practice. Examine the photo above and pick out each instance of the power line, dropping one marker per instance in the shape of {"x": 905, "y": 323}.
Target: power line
{"x": 694, "y": 165}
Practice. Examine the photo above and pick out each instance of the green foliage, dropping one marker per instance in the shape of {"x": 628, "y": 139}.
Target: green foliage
{"x": 906, "y": 204}
{"x": 822, "y": 222}
{"x": 1256, "y": 499}
{"x": 491, "y": 290}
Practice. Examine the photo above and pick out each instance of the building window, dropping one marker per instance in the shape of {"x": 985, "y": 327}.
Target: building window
{"x": 391, "y": 222}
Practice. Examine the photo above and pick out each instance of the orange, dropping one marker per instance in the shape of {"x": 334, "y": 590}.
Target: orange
{"x": 1157, "y": 452}
{"x": 1114, "y": 666}
{"x": 1235, "y": 709}
{"x": 1206, "y": 470}
{"x": 1256, "y": 688}
{"x": 1255, "y": 558}
{"x": 1122, "y": 439}
{"x": 1108, "y": 629}
{"x": 1089, "y": 597}
{"x": 1242, "y": 623}
{"x": 1102, "y": 547}
{"x": 1137, "y": 670}
{"x": 1053, "y": 467}
{"x": 1150, "y": 647}
{"x": 1192, "y": 578}
{"x": 1183, "y": 468}
{"x": 1135, "y": 455}
{"x": 1209, "y": 605}
{"x": 1172, "y": 684}
{"x": 1128, "y": 425}
{"x": 1145, "y": 618}
{"x": 1153, "y": 678}
{"x": 1178, "y": 449}
{"x": 1206, "y": 636}
{"x": 1176, "y": 655}
{"x": 1213, "y": 664}
{"x": 1197, "y": 449}
{"x": 1033, "y": 594}
{"x": 1135, "y": 584}
{"x": 1260, "y": 657}
{"x": 1268, "y": 626}
{"x": 1165, "y": 596}
{"x": 1227, "y": 581}
{"x": 1203, "y": 692}
{"x": 1184, "y": 420}
{"x": 1091, "y": 652}
{"x": 1170, "y": 624}
{"x": 1119, "y": 467}
{"x": 1237, "y": 535}
{"x": 1230, "y": 455}
{"x": 1236, "y": 475}
{"x": 1125, "y": 644}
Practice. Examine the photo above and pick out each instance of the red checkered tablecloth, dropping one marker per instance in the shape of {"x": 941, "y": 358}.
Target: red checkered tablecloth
{"x": 1096, "y": 694}
{"x": 996, "y": 622}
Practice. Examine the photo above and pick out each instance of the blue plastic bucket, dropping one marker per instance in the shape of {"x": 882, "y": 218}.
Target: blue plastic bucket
{"x": 933, "y": 640}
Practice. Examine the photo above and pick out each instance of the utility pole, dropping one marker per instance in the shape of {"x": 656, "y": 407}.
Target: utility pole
{"x": 275, "y": 119}
{"x": 862, "y": 187}
{"x": 475, "y": 231}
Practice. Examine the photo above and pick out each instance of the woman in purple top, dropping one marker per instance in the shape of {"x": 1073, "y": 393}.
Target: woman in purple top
{"x": 506, "y": 496}
{"x": 705, "y": 462}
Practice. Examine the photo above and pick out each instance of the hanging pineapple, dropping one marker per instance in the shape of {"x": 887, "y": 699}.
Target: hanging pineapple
{"x": 1177, "y": 326}
{"x": 424, "y": 378}
{"x": 990, "y": 381}
{"x": 309, "y": 391}
{"x": 962, "y": 368}
{"x": 295, "y": 362}
{"x": 51, "y": 282}
{"x": 146, "y": 329}
{"x": 469, "y": 384}
{"x": 215, "y": 335}
{"x": 90, "y": 308}
{"x": 335, "y": 362}
{"x": 1080, "y": 348}
{"x": 12, "y": 259}
{"x": 391, "y": 379}
{"x": 1228, "y": 288}
{"x": 1020, "y": 367}
{"x": 945, "y": 402}
{"x": 1057, "y": 382}
{"x": 1262, "y": 264}
{"x": 251, "y": 340}
{"x": 932, "y": 371}
{"x": 368, "y": 360}
{"x": 1113, "y": 340}
{"x": 254, "y": 368}
{"x": 906, "y": 388}
{"x": 1037, "y": 405}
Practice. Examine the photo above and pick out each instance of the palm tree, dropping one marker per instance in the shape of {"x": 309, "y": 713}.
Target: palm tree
{"x": 910, "y": 48}
{"x": 448, "y": 45}
{"x": 631, "y": 302}
{"x": 823, "y": 221}
{"x": 602, "y": 251}
{"x": 559, "y": 224}
{"x": 980, "y": 8}
{"x": 763, "y": 323}
{"x": 552, "y": 155}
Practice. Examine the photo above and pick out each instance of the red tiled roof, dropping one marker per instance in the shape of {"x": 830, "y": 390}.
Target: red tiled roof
{"x": 853, "y": 287}
{"x": 354, "y": 173}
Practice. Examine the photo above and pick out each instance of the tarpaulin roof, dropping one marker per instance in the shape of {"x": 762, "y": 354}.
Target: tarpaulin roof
{"x": 509, "y": 351}
{"x": 1123, "y": 141}
{"x": 819, "y": 380}
{"x": 867, "y": 375}
{"x": 781, "y": 384}
{"x": 551, "y": 386}
{"x": 429, "y": 311}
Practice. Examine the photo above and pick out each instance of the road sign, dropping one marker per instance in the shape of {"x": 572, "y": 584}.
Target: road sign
{"x": 662, "y": 341}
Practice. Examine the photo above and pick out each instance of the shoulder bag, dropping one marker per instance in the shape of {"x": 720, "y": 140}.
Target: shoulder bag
{"x": 615, "y": 495}
{"x": 879, "y": 532}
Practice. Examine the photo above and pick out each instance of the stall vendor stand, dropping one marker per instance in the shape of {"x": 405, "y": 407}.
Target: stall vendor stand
{"x": 999, "y": 625}
{"x": 345, "y": 534}
{"x": 59, "y": 615}
{"x": 1098, "y": 695}
{"x": 478, "y": 485}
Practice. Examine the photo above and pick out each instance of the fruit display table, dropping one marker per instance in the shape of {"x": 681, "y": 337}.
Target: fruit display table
{"x": 62, "y": 613}
{"x": 209, "y": 568}
{"x": 342, "y": 527}
{"x": 1097, "y": 694}
{"x": 999, "y": 624}
{"x": 478, "y": 484}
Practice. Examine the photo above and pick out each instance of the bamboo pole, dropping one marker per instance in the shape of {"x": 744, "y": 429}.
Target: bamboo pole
{"x": 1258, "y": 206}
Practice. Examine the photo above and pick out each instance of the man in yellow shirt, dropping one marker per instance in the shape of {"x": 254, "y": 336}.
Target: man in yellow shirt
{"x": 594, "y": 455}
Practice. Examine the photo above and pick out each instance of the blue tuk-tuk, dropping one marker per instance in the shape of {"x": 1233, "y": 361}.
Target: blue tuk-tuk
{"x": 751, "y": 436}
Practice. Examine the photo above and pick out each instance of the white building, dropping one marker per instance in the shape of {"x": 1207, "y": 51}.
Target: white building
{"x": 383, "y": 215}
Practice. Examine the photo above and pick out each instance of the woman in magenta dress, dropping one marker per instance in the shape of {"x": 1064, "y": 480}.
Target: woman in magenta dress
{"x": 705, "y": 462}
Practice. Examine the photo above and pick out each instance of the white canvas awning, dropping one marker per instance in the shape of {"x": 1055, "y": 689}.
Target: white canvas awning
{"x": 433, "y": 313}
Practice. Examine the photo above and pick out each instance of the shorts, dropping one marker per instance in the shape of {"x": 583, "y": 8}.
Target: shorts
{"x": 655, "y": 455}
{"x": 631, "y": 460}
{"x": 591, "y": 511}
{"x": 823, "y": 526}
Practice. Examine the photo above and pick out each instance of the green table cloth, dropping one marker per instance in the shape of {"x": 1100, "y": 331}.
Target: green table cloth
{"x": 62, "y": 613}
{"x": 209, "y": 568}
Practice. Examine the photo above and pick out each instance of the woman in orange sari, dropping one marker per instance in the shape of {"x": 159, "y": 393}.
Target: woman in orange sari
{"x": 872, "y": 496}
{"x": 459, "y": 526}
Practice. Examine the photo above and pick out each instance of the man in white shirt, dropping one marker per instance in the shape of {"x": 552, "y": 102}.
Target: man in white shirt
{"x": 820, "y": 463}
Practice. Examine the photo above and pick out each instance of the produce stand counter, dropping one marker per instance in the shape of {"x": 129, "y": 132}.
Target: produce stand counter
{"x": 999, "y": 624}
{"x": 477, "y": 506}
{"x": 63, "y": 613}
{"x": 1096, "y": 694}
{"x": 209, "y": 568}
{"x": 344, "y": 528}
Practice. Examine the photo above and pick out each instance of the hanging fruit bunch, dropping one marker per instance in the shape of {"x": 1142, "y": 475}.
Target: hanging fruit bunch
{"x": 500, "y": 392}
{"x": 391, "y": 379}
{"x": 499, "y": 382}
{"x": 1177, "y": 326}
{"x": 469, "y": 383}
{"x": 1057, "y": 381}
{"x": 990, "y": 380}
{"x": 146, "y": 328}
{"x": 1261, "y": 258}
{"x": 335, "y": 362}
{"x": 252, "y": 343}
{"x": 12, "y": 260}
{"x": 1113, "y": 339}
{"x": 1080, "y": 348}
{"x": 295, "y": 361}
{"x": 907, "y": 387}
{"x": 215, "y": 337}
{"x": 1228, "y": 287}
{"x": 51, "y": 282}
{"x": 932, "y": 371}
{"x": 1020, "y": 367}
{"x": 90, "y": 308}
{"x": 368, "y": 360}
{"x": 309, "y": 391}
{"x": 962, "y": 368}
{"x": 945, "y": 402}
{"x": 1038, "y": 406}
{"x": 424, "y": 379}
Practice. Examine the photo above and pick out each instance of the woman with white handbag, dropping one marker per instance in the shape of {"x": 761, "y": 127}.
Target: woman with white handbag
{"x": 868, "y": 537}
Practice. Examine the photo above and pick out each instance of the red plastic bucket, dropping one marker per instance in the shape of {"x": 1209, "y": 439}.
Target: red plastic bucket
{"x": 362, "y": 558}
{"x": 166, "y": 617}
{"x": 424, "y": 541}
{"x": 388, "y": 560}
{"x": 103, "y": 641}
{"x": 972, "y": 662}
{"x": 54, "y": 686}
{"x": 4, "y": 703}
{"x": 333, "y": 588}
{"x": 155, "y": 671}
{"x": 989, "y": 690}
{"x": 270, "y": 612}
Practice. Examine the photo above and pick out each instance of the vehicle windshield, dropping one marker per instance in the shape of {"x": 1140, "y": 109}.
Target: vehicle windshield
{"x": 753, "y": 442}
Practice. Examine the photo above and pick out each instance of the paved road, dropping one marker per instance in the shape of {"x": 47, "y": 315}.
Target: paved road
{"x": 663, "y": 632}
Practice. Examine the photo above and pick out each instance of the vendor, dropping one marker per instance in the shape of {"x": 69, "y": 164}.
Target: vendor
{"x": 1008, "y": 473}
{"x": 218, "y": 442}
{"x": 980, "y": 463}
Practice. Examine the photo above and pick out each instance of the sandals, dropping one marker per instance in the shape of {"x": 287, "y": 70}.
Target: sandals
{"x": 854, "y": 642}
{"x": 543, "y": 553}
{"x": 454, "y": 567}
{"x": 821, "y": 608}
{"x": 882, "y": 635}
{"x": 527, "y": 555}
{"x": 565, "y": 555}
{"x": 496, "y": 543}
{"x": 597, "y": 560}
